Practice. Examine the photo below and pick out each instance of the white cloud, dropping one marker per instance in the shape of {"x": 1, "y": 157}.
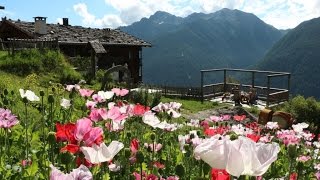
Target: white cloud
{"x": 81, "y": 9}
{"x": 280, "y": 13}
{"x": 88, "y": 19}
{"x": 59, "y": 20}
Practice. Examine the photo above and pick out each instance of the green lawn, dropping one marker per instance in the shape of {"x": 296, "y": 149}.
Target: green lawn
{"x": 193, "y": 106}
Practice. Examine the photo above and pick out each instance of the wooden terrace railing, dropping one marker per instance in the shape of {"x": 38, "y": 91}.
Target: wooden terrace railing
{"x": 270, "y": 94}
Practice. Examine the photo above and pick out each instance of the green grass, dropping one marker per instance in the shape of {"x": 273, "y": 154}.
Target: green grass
{"x": 193, "y": 106}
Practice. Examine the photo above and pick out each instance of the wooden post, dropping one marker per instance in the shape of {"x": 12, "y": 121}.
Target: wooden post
{"x": 268, "y": 92}
{"x": 13, "y": 44}
{"x": 289, "y": 77}
{"x": 201, "y": 87}
{"x": 252, "y": 80}
{"x": 224, "y": 81}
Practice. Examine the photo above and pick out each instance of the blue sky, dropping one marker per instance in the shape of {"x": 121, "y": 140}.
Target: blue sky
{"x": 281, "y": 14}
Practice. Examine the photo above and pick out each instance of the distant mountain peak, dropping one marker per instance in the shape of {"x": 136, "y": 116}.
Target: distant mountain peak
{"x": 161, "y": 17}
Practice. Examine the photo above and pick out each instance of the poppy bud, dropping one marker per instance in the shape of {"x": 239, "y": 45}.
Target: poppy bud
{"x": 5, "y": 92}
{"x": 52, "y": 137}
{"x": 180, "y": 171}
{"x": 152, "y": 137}
{"x": 292, "y": 151}
{"x": 66, "y": 158}
{"x": 5, "y": 101}
{"x": 41, "y": 93}
{"x": 140, "y": 157}
{"x": 50, "y": 98}
{"x": 25, "y": 100}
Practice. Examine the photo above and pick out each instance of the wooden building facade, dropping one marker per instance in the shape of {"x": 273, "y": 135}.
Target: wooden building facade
{"x": 106, "y": 47}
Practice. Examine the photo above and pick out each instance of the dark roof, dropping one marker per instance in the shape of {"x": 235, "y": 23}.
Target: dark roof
{"x": 97, "y": 47}
{"x": 79, "y": 34}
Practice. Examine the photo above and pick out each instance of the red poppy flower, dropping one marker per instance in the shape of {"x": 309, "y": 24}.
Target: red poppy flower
{"x": 134, "y": 145}
{"x": 293, "y": 176}
{"x": 65, "y": 132}
{"x": 212, "y": 132}
{"x": 158, "y": 165}
{"x": 253, "y": 137}
{"x": 239, "y": 117}
{"x": 219, "y": 174}
{"x": 139, "y": 110}
{"x": 72, "y": 148}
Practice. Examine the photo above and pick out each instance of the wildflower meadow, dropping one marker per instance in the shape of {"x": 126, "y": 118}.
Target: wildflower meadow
{"x": 72, "y": 132}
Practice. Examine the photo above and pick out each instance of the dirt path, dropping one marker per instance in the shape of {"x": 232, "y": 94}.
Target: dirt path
{"x": 225, "y": 110}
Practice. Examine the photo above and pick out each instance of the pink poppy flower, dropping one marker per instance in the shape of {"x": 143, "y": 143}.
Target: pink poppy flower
{"x": 152, "y": 177}
{"x": 272, "y": 125}
{"x": 215, "y": 118}
{"x": 98, "y": 114}
{"x": 157, "y": 147}
{"x": 97, "y": 98}
{"x": 225, "y": 117}
{"x": 85, "y": 92}
{"x": 91, "y": 104}
{"x": 26, "y": 162}
{"x": 120, "y": 92}
{"x": 115, "y": 114}
{"x": 317, "y": 174}
{"x": 82, "y": 172}
{"x": 7, "y": 119}
{"x": 303, "y": 158}
{"x": 93, "y": 136}
{"x": 70, "y": 87}
{"x": 172, "y": 178}
{"x": 83, "y": 126}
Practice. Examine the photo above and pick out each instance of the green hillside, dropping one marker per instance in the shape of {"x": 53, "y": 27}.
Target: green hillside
{"x": 35, "y": 68}
{"x": 298, "y": 52}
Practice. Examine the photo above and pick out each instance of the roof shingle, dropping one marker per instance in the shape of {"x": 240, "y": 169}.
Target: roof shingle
{"x": 79, "y": 34}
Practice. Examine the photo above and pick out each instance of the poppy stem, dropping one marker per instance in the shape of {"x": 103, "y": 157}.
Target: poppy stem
{"x": 141, "y": 170}
{"x": 26, "y": 127}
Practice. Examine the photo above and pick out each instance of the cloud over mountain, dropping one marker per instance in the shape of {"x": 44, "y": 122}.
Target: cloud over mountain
{"x": 281, "y": 13}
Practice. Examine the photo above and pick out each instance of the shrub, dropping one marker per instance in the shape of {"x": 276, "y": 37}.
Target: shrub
{"x": 304, "y": 110}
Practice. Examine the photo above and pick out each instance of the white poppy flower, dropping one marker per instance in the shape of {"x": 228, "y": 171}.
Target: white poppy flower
{"x": 31, "y": 96}
{"x": 239, "y": 157}
{"x": 106, "y": 94}
{"x": 102, "y": 153}
{"x": 65, "y": 103}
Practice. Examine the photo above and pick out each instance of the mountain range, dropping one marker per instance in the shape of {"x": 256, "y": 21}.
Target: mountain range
{"x": 184, "y": 46}
{"x": 227, "y": 38}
